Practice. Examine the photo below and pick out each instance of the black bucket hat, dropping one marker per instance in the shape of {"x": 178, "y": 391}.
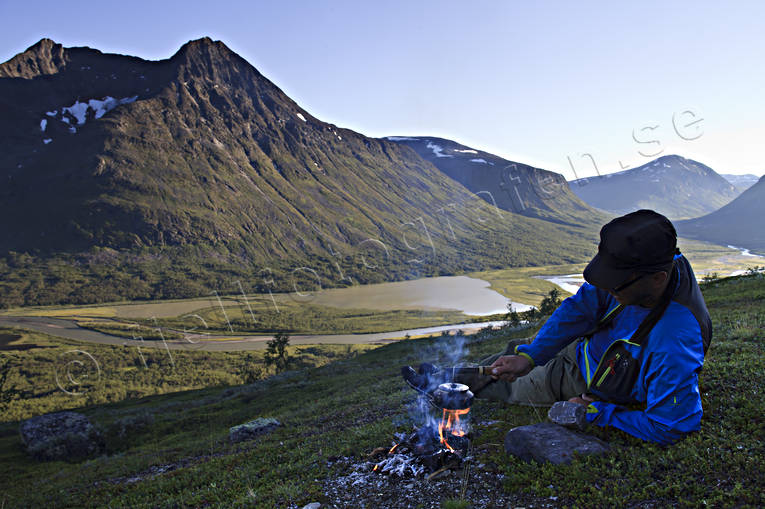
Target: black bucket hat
{"x": 643, "y": 241}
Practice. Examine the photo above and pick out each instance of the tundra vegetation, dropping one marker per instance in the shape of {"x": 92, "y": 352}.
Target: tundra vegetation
{"x": 348, "y": 407}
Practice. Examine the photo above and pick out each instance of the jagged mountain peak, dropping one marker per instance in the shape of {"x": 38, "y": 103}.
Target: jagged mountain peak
{"x": 47, "y": 57}
{"x": 44, "y": 57}
{"x": 215, "y": 61}
{"x": 204, "y": 46}
{"x": 43, "y": 45}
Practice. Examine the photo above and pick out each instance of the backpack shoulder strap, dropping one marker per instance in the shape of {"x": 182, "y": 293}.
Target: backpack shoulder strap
{"x": 657, "y": 311}
{"x": 604, "y": 321}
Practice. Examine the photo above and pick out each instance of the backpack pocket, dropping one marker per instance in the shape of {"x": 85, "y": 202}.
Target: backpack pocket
{"x": 615, "y": 375}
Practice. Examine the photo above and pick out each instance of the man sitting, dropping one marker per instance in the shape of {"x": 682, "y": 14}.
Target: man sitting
{"x": 629, "y": 345}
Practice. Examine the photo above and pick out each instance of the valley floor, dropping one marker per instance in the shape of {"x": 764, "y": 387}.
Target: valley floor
{"x": 343, "y": 316}
{"x": 172, "y": 450}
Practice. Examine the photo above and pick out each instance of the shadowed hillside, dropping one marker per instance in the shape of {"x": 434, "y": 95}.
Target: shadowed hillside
{"x": 740, "y": 223}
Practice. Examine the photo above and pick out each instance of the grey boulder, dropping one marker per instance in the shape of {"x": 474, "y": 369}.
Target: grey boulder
{"x": 67, "y": 436}
{"x": 550, "y": 443}
{"x": 252, "y": 429}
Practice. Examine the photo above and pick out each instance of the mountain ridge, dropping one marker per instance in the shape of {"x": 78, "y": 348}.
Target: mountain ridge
{"x": 675, "y": 186}
{"x": 199, "y": 157}
{"x": 741, "y": 182}
{"x": 509, "y": 185}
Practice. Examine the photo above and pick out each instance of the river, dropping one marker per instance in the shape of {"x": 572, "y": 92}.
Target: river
{"x": 69, "y": 329}
{"x": 471, "y": 296}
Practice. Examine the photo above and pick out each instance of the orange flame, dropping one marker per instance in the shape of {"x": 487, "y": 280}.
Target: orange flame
{"x": 392, "y": 449}
{"x": 451, "y": 426}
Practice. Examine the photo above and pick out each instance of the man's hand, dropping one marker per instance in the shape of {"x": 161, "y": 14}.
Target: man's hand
{"x": 510, "y": 367}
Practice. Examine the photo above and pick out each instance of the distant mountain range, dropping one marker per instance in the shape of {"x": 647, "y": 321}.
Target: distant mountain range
{"x": 740, "y": 223}
{"x": 677, "y": 187}
{"x": 126, "y": 178}
{"x": 741, "y": 182}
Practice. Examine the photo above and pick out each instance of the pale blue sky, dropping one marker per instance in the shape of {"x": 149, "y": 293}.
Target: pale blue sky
{"x": 537, "y": 82}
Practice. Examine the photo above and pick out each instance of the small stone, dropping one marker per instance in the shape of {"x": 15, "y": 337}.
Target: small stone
{"x": 312, "y": 505}
{"x": 549, "y": 443}
{"x": 569, "y": 414}
{"x": 252, "y": 429}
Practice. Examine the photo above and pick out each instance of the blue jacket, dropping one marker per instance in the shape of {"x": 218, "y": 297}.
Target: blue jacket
{"x": 667, "y": 387}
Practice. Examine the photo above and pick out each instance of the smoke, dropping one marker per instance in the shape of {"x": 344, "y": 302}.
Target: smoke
{"x": 456, "y": 351}
{"x": 444, "y": 352}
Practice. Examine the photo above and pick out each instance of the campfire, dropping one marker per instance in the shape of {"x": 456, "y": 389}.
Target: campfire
{"x": 436, "y": 446}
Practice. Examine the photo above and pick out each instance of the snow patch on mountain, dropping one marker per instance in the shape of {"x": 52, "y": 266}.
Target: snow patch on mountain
{"x": 400, "y": 138}
{"x": 301, "y": 117}
{"x": 43, "y": 124}
{"x": 466, "y": 151}
{"x": 482, "y": 161}
{"x": 437, "y": 149}
{"x": 79, "y": 110}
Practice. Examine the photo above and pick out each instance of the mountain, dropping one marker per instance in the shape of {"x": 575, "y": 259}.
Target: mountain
{"x": 512, "y": 186}
{"x": 741, "y": 182}
{"x": 677, "y": 187}
{"x": 740, "y": 223}
{"x": 127, "y": 178}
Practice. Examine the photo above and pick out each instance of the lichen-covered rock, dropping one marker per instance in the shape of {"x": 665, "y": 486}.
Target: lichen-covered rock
{"x": 549, "y": 443}
{"x": 67, "y": 436}
{"x": 252, "y": 429}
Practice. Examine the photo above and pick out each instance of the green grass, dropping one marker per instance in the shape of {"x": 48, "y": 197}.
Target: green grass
{"x": 35, "y": 369}
{"x": 519, "y": 285}
{"x": 351, "y": 406}
{"x": 455, "y": 503}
